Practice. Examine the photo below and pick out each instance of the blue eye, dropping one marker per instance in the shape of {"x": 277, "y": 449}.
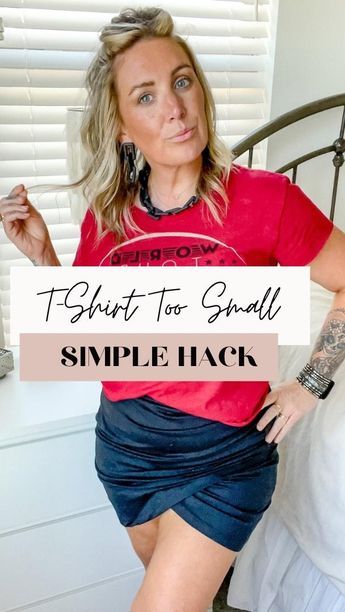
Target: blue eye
{"x": 185, "y": 82}
{"x": 144, "y": 99}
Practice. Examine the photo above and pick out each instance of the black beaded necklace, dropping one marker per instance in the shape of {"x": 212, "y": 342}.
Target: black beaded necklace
{"x": 153, "y": 211}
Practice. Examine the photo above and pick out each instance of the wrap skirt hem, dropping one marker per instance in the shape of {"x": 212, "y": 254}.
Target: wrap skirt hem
{"x": 151, "y": 457}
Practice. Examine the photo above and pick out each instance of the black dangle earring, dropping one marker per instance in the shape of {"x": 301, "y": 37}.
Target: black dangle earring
{"x": 128, "y": 154}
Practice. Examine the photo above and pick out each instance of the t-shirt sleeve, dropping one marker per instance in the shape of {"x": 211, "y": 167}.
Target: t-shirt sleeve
{"x": 87, "y": 232}
{"x": 303, "y": 229}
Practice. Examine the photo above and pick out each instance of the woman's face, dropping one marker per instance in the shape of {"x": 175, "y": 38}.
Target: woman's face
{"x": 161, "y": 102}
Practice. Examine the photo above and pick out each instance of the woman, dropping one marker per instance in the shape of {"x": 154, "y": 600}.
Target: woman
{"x": 189, "y": 467}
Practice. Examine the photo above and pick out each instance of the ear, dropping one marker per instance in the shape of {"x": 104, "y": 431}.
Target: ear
{"x": 124, "y": 137}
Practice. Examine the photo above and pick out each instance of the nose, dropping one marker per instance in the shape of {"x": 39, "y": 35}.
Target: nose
{"x": 174, "y": 106}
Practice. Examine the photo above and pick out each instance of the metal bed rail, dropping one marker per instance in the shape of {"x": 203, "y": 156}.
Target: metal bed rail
{"x": 338, "y": 146}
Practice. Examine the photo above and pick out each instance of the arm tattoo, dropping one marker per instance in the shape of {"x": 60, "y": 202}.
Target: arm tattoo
{"x": 329, "y": 350}
{"x": 34, "y": 262}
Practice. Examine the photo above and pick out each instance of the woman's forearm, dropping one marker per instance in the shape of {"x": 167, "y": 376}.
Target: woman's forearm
{"x": 49, "y": 258}
{"x": 329, "y": 349}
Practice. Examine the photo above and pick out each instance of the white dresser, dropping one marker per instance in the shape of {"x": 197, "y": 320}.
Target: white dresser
{"x": 62, "y": 548}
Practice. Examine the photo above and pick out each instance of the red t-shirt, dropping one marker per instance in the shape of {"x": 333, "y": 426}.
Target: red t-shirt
{"x": 269, "y": 220}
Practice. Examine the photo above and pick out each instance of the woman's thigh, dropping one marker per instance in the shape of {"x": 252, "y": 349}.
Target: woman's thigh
{"x": 144, "y": 538}
{"x": 185, "y": 571}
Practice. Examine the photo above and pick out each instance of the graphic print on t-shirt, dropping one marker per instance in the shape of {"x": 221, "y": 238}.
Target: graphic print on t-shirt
{"x": 173, "y": 249}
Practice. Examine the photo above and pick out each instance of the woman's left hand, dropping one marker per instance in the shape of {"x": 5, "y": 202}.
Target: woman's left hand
{"x": 292, "y": 401}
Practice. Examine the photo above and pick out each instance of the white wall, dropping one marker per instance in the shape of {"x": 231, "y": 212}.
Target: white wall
{"x": 309, "y": 64}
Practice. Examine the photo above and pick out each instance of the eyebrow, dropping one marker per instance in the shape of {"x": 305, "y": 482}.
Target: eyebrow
{"x": 150, "y": 83}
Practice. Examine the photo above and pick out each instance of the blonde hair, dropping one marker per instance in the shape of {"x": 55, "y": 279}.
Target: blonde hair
{"x": 104, "y": 181}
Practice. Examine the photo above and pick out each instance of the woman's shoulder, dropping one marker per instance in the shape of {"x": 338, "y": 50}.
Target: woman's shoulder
{"x": 244, "y": 175}
{"x": 89, "y": 218}
{"x": 256, "y": 185}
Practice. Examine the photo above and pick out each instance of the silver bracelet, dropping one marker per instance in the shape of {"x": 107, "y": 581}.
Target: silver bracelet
{"x": 316, "y": 383}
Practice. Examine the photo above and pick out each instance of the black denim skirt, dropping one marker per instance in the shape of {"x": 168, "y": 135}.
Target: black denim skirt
{"x": 150, "y": 457}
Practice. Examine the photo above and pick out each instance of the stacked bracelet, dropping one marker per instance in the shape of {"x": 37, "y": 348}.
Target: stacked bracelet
{"x": 315, "y": 382}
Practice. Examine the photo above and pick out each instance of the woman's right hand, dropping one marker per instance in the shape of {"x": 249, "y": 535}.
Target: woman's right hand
{"x": 24, "y": 225}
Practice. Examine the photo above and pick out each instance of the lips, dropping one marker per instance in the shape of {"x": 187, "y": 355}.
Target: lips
{"x": 183, "y": 135}
{"x": 183, "y": 132}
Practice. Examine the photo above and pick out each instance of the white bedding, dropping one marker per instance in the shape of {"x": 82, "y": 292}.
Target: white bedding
{"x": 310, "y": 496}
{"x": 275, "y": 575}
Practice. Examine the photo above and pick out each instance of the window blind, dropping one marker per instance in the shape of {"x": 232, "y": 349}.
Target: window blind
{"x": 46, "y": 49}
